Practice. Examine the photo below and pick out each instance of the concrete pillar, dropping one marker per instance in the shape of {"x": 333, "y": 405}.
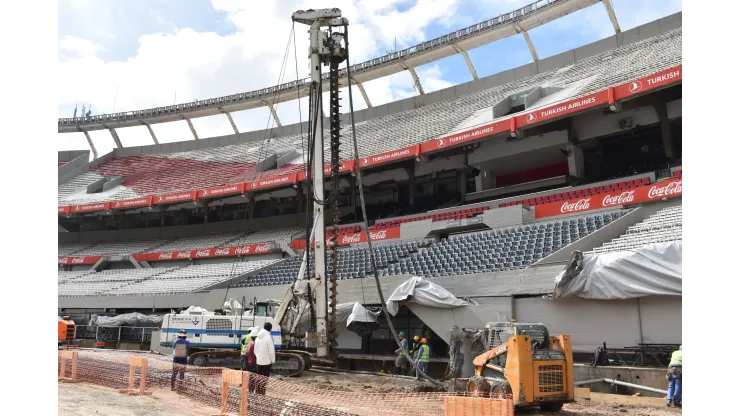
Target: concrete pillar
{"x": 665, "y": 129}
{"x": 353, "y": 196}
{"x": 411, "y": 172}
{"x": 576, "y": 167}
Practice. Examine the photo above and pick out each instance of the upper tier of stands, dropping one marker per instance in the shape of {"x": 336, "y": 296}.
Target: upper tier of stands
{"x": 155, "y": 281}
{"x": 664, "y": 226}
{"x": 214, "y": 166}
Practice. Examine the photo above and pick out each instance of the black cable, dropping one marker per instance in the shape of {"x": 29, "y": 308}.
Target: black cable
{"x": 364, "y": 219}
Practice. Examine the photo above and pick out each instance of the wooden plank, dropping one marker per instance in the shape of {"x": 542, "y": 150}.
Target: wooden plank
{"x": 630, "y": 400}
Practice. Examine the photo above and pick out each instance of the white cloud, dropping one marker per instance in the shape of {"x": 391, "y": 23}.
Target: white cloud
{"x": 199, "y": 65}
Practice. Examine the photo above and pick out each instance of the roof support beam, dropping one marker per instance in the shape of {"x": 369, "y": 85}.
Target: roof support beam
{"x": 524, "y": 33}
{"x": 362, "y": 91}
{"x": 190, "y": 124}
{"x": 151, "y": 132}
{"x": 465, "y": 55}
{"x": 114, "y": 134}
{"x": 89, "y": 142}
{"x": 417, "y": 83}
{"x": 612, "y": 15}
{"x": 274, "y": 113}
{"x": 231, "y": 120}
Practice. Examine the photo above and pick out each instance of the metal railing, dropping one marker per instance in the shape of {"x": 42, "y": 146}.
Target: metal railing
{"x": 441, "y": 41}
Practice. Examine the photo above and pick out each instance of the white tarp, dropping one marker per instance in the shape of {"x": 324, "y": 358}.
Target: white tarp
{"x": 423, "y": 292}
{"x": 127, "y": 319}
{"x": 362, "y": 320}
{"x": 654, "y": 269}
{"x": 232, "y": 304}
{"x": 348, "y": 313}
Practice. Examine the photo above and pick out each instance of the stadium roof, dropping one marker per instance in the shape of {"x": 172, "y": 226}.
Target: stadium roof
{"x": 509, "y": 24}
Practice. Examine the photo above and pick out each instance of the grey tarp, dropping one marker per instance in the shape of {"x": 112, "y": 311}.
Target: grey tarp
{"x": 127, "y": 319}
{"x": 654, "y": 269}
{"x": 348, "y": 313}
{"x": 361, "y": 320}
{"x": 423, "y": 292}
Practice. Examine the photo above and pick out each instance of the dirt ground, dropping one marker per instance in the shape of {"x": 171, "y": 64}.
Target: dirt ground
{"x": 585, "y": 408}
{"x": 81, "y": 399}
{"x": 354, "y": 382}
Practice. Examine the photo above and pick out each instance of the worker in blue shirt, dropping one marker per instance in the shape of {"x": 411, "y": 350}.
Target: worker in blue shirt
{"x": 402, "y": 364}
{"x": 180, "y": 352}
{"x": 422, "y": 358}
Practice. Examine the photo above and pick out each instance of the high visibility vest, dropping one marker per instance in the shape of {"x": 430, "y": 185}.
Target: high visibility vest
{"x": 245, "y": 344}
{"x": 676, "y": 359}
{"x": 424, "y": 353}
{"x": 404, "y": 346}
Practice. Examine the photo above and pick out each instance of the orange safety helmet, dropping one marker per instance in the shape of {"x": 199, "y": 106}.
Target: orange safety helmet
{"x": 423, "y": 340}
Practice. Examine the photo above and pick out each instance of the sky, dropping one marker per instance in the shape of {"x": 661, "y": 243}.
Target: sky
{"x": 116, "y": 56}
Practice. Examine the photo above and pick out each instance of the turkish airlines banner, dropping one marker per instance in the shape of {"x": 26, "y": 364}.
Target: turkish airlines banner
{"x": 176, "y": 197}
{"x": 646, "y": 193}
{"x": 246, "y": 250}
{"x": 563, "y": 109}
{"x": 392, "y": 156}
{"x": 99, "y": 206}
{"x": 272, "y": 182}
{"x": 79, "y": 260}
{"x": 133, "y": 203}
{"x": 344, "y": 166}
{"x": 63, "y": 210}
{"x": 663, "y": 78}
{"x": 222, "y": 190}
{"x": 465, "y": 136}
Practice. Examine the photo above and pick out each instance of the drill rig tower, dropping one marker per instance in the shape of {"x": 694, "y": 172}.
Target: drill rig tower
{"x": 325, "y": 49}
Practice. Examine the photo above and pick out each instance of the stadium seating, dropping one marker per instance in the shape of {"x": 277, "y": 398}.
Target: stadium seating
{"x": 664, "y": 226}
{"x": 678, "y": 173}
{"x": 118, "y": 248}
{"x": 581, "y": 193}
{"x": 213, "y": 166}
{"x": 276, "y": 235}
{"x": 155, "y": 281}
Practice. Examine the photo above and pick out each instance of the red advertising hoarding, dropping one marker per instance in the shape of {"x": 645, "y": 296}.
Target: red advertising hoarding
{"x": 563, "y": 109}
{"x": 98, "y": 206}
{"x": 663, "y": 78}
{"x": 356, "y": 238}
{"x": 63, "y": 210}
{"x": 133, "y": 203}
{"x": 465, "y": 136}
{"x": 245, "y": 250}
{"x": 176, "y": 197}
{"x": 222, "y": 190}
{"x": 79, "y": 259}
{"x": 392, "y": 156}
{"x": 645, "y": 193}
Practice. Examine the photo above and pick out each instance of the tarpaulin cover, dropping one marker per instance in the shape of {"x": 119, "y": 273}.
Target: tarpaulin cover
{"x": 361, "y": 320}
{"x": 127, "y": 319}
{"x": 654, "y": 269}
{"x": 423, "y": 292}
{"x": 348, "y": 313}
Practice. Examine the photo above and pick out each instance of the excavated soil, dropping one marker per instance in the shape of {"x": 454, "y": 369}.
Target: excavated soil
{"x": 355, "y": 382}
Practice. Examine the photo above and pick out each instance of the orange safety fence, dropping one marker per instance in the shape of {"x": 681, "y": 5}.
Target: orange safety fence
{"x": 222, "y": 391}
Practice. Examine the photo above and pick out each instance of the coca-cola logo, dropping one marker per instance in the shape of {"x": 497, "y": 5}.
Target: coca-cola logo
{"x": 263, "y": 248}
{"x": 63, "y": 260}
{"x": 621, "y": 199}
{"x": 222, "y": 252}
{"x": 203, "y": 253}
{"x": 351, "y": 239}
{"x": 379, "y": 235}
{"x": 243, "y": 250}
{"x": 672, "y": 188}
{"x": 78, "y": 260}
{"x": 580, "y": 205}
{"x": 165, "y": 256}
{"x": 183, "y": 255}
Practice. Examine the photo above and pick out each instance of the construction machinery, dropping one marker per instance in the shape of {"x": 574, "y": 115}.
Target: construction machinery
{"x": 521, "y": 360}
{"x": 67, "y": 331}
{"x": 314, "y": 292}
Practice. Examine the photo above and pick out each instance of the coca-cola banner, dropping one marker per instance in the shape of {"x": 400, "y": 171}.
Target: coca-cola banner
{"x": 245, "y": 250}
{"x": 355, "y": 238}
{"x": 645, "y": 193}
{"x": 79, "y": 259}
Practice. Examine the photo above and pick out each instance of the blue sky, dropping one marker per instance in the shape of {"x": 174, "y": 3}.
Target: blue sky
{"x": 138, "y": 54}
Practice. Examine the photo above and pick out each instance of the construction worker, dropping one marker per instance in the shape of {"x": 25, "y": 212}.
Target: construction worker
{"x": 264, "y": 351}
{"x": 180, "y": 350}
{"x": 415, "y": 346}
{"x": 245, "y": 344}
{"x": 674, "y": 378}
{"x": 402, "y": 364}
{"x": 422, "y": 358}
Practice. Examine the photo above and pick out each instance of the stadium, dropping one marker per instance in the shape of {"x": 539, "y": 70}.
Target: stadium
{"x": 548, "y": 193}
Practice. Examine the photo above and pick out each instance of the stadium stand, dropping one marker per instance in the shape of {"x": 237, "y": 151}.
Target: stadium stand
{"x": 664, "y": 226}
{"x": 161, "y": 280}
{"x": 109, "y": 249}
{"x": 276, "y": 235}
{"x": 190, "y": 170}
{"x": 454, "y": 215}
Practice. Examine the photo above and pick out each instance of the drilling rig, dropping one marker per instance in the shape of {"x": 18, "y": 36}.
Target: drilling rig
{"x": 314, "y": 291}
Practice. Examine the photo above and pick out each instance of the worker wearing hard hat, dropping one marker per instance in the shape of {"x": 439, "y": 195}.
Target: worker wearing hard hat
{"x": 674, "y": 378}
{"x": 244, "y": 345}
{"x": 422, "y": 358}
{"x": 180, "y": 350}
{"x": 402, "y": 364}
{"x": 415, "y": 347}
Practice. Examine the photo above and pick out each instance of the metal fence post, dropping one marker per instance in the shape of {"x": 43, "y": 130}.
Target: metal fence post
{"x": 142, "y": 336}
{"x": 119, "y": 337}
